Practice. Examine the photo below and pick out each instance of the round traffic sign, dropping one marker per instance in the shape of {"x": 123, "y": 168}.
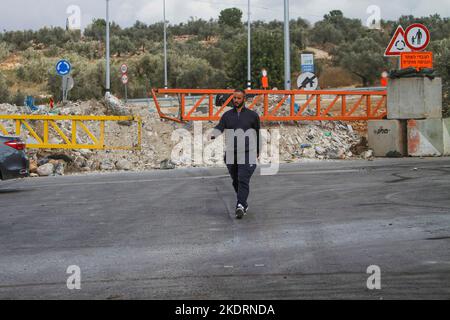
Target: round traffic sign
{"x": 124, "y": 68}
{"x": 417, "y": 36}
{"x": 307, "y": 81}
{"x": 63, "y": 67}
{"x": 124, "y": 79}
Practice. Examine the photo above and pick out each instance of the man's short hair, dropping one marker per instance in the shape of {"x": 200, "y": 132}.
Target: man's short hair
{"x": 241, "y": 91}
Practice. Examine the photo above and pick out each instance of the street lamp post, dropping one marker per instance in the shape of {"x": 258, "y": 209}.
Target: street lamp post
{"x": 287, "y": 55}
{"x": 165, "y": 45}
{"x": 108, "y": 81}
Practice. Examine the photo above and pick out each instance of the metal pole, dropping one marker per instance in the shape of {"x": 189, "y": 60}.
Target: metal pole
{"x": 287, "y": 54}
{"x": 249, "y": 50}
{"x": 63, "y": 82}
{"x": 165, "y": 45}
{"x": 108, "y": 82}
{"x": 66, "y": 88}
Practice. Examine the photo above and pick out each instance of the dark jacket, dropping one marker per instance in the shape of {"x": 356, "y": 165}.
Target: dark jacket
{"x": 245, "y": 120}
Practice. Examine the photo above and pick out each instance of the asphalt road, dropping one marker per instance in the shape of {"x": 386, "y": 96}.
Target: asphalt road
{"x": 311, "y": 232}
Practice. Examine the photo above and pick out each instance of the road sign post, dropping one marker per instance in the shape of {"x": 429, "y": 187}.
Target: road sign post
{"x": 124, "y": 79}
{"x": 397, "y": 45}
{"x": 418, "y": 60}
{"x": 415, "y": 38}
{"x": 307, "y": 62}
{"x": 63, "y": 69}
{"x": 124, "y": 68}
{"x": 307, "y": 81}
{"x": 125, "y": 83}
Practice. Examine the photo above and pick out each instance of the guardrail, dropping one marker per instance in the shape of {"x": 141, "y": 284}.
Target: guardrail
{"x": 39, "y": 128}
{"x": 193, "y": 99}
{"x": 280, "y": 105}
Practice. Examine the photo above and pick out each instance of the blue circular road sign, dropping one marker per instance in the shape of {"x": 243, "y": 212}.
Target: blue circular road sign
{"x": 63, "y": 67}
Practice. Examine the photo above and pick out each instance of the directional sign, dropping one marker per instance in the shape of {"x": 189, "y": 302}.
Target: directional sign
{"x": 63, "y": 67}
{"x": 307, "y": 58}
{"x": 124, "y": 68}
{"x": 417, "y": 37}
{"x": 307, "y": 62}
{"x": 307, "y": 81}
{"x": 397, "y": 45}
{"x": 124, "y": 79}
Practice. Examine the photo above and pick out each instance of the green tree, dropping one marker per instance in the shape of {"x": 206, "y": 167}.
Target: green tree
{"x": 121, "y": 45}
{"x": 231, "y": 17}
{"x": 335, "y": 28}
{"x": 4, "y": 91}
{"x": 5, "y": 50}
{"x": 441, "y": 50}
{"x": 97, "y": 29}
{"x": 363, "y": 57}
{"x": 267, "y": 53}
{"x": 326, "y": 33}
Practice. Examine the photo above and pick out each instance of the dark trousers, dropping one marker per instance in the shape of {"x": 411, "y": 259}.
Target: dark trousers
{"x": 241, "y": 174}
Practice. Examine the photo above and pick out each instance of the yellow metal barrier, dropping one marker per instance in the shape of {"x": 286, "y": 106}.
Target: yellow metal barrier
{"x": 98, "y": 142}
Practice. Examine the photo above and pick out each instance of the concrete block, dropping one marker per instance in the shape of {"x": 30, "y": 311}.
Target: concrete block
{"x": 387, "y": 138}
{"x": 446, "y": 128}
{"x": 425, "y": 138}
{"x": 414, "y": 98}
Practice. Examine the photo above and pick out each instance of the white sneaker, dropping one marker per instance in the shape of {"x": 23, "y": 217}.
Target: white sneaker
{"x": 240, "y": 211}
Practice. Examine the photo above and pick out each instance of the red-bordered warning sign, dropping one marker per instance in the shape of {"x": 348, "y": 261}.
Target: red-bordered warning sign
{"x": 417, "y": 37}
{"x": 124, "y": 68}
{"x": 397, "y": 45}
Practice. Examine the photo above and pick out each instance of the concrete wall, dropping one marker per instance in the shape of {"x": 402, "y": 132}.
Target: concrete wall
{"x": 387, "y": 138}
{"x": 414, "y": 98}
{"x": 425, "y": 138}
{"x": 446, "y": 128}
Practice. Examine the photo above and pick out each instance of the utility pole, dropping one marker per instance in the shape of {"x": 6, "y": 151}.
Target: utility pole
{"x": 287, "y": 54}
{"x": 249, "y": 50}
{"x": 165, "y": 45}
{"x": 108, "y": 81}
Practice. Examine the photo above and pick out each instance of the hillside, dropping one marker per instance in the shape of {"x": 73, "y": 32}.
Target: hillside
{"x": 204, "y": 54}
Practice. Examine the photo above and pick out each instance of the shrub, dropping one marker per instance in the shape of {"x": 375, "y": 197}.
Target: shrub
{"x": 4, "y": 91}
{"x": 5, "y": 50}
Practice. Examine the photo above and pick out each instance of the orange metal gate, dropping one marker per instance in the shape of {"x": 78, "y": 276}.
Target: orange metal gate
{"x": 279, "y": 105}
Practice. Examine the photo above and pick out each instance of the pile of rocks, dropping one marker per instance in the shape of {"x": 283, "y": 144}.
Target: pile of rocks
{"x": 319, "y": 140}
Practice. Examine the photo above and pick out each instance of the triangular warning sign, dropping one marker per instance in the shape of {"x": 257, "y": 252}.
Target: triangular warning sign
{"x": 397, "y": 44}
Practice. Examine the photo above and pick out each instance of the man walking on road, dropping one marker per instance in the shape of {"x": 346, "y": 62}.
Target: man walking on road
{"x": 242, "y": 127}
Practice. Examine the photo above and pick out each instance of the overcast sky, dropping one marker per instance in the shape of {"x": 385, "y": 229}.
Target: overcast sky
{"x": 34, "y": 14}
